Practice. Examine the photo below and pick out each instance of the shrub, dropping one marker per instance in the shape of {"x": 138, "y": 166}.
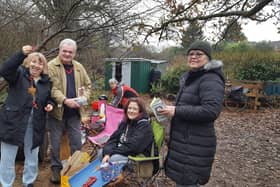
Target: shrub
{"x": 237, "y": 47}
{"x": 169, "y": 81}
{"x": 260, "y": 66}
{"x": 157, "y": 89}
{"x": 250, "y": 65}
{"x": 257, "y": 71}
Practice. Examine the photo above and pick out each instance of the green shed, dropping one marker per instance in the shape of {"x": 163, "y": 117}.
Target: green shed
{"x": 135, "y": 72}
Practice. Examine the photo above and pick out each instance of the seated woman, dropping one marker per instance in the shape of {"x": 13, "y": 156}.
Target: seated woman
{"x": 134, "y": 135}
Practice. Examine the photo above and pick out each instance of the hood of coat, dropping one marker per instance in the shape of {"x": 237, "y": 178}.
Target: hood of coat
{"x": 214, "y": 66}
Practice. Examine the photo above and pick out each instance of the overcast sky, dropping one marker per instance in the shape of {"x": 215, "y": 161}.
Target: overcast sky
{"x": 266, "y": 31}
{"x": 254, "y": 32}
{"x": 261, "y": 32}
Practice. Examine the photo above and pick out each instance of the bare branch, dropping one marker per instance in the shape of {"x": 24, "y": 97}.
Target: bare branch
{"x": 223, "y": 11}
{"x": 17, "y": 17}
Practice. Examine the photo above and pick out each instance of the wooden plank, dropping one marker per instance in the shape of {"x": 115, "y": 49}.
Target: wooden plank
{"x": 255, "y": 91}
{"x": 65, "y": 152}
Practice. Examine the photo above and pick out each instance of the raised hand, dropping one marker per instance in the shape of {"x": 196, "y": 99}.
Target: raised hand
{"x": 27, "y": 49}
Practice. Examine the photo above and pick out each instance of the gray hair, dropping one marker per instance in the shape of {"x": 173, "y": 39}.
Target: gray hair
{"x": 68, "y": 41}
{"x": 113, "y": 81}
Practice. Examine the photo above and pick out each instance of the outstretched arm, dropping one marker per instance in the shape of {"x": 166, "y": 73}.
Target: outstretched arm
{"x": 9, "y": 68}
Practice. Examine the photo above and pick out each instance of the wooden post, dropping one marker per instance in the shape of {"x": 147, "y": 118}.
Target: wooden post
{"x": 255, "y": 91}
{"x": 65, "y": 152}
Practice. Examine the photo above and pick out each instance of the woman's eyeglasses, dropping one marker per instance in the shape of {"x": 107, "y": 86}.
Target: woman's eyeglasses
{"x": 195, "y": 54}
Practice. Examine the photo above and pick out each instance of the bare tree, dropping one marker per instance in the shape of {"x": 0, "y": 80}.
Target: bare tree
{"x": 175, "y": 15}
{"x": 84, "y": 20}
{"x": 123, "y": 21}
{"x": 17, "y": 25}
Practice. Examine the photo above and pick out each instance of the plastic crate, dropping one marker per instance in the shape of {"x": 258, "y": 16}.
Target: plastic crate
{"x": 90, "y": 170}
{"x": 93, "y": 169}
{"x": 272, "y": 88}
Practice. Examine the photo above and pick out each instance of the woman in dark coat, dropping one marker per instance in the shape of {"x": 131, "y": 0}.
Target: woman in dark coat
{"x": 134, "y": 135}
{"x": 23, "y": 114}
{"x": 192, "y": 144}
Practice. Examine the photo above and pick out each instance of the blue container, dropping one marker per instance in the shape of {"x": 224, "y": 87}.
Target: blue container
{"x": 106, "y": 171}
{"x": 117, "y": 169}
{"x": 110, "y": 171}
{"x": 92, "y": 170}
{"x": 272, "y": 88}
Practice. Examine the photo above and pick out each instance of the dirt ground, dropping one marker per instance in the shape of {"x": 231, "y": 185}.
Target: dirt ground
{"x": 248, "y": 152}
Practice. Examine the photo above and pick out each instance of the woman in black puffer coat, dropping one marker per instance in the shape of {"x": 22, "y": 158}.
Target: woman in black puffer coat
{"x": 192, "y": 144}
{"x": 23, "y": 114}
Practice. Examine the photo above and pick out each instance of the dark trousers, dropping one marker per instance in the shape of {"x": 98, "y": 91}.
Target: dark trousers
{"x": 56, "y": 127}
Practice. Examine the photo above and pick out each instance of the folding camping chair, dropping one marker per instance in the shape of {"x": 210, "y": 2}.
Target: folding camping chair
{"x": 144, "y": 167}
{"x": 113, "y": 119}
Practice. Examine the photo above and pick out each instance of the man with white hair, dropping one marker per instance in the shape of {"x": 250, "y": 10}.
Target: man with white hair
{"x": 68, "y": 77}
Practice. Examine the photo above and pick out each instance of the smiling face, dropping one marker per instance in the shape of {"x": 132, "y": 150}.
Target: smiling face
{"x": 67, "y": 53}
{"x": 36, "y": 66}
{"x": 133, "y": 110}
{"x": 197, "y": 59}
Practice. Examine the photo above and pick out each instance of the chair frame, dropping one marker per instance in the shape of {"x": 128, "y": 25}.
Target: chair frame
{"x": 141, "y": 164}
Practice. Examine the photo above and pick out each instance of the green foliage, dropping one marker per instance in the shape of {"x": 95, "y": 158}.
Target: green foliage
{"x": 250, "y": 65}
{"x": 233, "y": 33}
{"x": 157, "y": 89}
{"x": 169, "y": 82}
{"x": 264, "y": 46}
{"x": 171, "y": 52}
{"x": 264, "y": 69}
{"x": 98, "y": 82}
{"x": 194, "y": 32}
{"x": 240, "y": 47}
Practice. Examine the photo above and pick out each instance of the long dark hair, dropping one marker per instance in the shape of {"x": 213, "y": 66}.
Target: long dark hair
{"x": 141, "y": 105}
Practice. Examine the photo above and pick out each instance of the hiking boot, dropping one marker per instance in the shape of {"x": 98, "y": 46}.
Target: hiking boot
{"x": 55, "y": 177}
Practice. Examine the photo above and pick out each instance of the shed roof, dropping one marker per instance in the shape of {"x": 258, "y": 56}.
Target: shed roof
{"x": 153, "y": 61}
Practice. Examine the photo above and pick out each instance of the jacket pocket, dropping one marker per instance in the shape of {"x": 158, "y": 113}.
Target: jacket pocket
{"x": 12, "y": 113}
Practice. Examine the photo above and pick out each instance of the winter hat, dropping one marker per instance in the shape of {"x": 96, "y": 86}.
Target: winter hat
{"x": 202, "y": 46}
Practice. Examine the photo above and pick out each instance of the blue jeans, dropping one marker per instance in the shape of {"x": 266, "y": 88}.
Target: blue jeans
{"x": 56, "y": 127}
{"x": 8, "y": 157}
{"x": 113, "y": 158}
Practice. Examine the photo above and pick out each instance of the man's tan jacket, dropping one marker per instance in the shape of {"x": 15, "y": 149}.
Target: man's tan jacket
{"x": 58, "y": 78}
